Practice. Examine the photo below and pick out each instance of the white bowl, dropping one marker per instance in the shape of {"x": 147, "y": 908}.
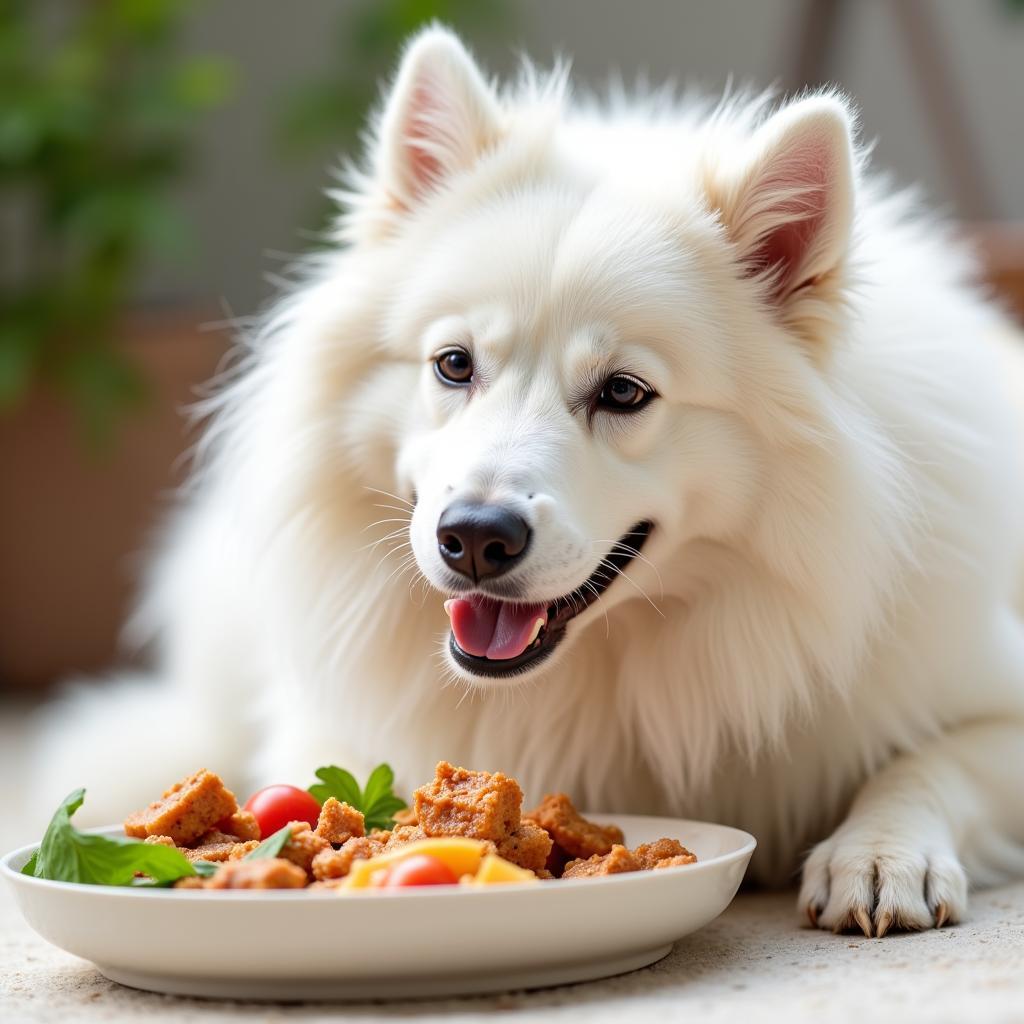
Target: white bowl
{"x": 420, "y": 942}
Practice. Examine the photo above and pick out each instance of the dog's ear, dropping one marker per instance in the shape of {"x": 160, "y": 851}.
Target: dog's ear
{"x": 789, "y": 207}
{"x": 440, "y": 117}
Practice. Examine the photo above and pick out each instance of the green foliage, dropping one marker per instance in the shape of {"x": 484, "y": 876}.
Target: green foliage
{"x": 271, "y": 846}
{"x": 67, "y": 855}
{"x": 326, "y": 113}
{"x": 377, "y": 800}
{"x": 96, "y": 111}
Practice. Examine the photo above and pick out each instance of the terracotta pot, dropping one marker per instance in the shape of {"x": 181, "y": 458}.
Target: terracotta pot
{"x": 72, "y": 522}
{"x": 1002, "y": 248}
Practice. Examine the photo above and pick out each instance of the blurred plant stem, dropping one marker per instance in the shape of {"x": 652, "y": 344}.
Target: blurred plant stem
{"x": 326, "y": 114}
{"x": 97, "y": 109}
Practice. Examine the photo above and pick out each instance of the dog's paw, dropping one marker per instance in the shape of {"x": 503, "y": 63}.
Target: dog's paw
{"x": 881, "y": 884}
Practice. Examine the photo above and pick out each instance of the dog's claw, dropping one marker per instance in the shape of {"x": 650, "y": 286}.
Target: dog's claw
{"x": 863, "y": 918}
{"x": 883, "y": 925}
{"x": 941, "y": 915}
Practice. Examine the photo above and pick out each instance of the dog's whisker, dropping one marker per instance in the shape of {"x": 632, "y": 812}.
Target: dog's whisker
{"x": 603, "y": 607}
{"x": 376, "y": 543}
{"x": 397, "y": 508}
{"x": 390, "y": 494}
{"x": 403, "y": 566}
{"x": 381, "y": 522}
{"x": 387, "y": 554}
{"x": 636, "y": 586}
{"x": 628, "y": 549}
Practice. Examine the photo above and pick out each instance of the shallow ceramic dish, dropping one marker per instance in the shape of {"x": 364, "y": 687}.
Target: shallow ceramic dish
{"x": 426, "y": 942}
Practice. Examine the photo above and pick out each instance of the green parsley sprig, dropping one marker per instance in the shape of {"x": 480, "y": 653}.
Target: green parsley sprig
{"x": 376, "y": 800}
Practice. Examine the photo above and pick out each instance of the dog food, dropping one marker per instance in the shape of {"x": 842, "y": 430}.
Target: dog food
{"x": 187, "y": 810}
{"x": 465, "y": 826}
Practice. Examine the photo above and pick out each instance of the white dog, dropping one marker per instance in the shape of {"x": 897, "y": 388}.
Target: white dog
{"x": 694, "y": 347}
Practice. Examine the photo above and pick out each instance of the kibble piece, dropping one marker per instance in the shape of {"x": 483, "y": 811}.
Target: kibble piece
{"x": 331, "y": 863}
{"x": 242, "y": 825}
{"x": 216, "y": 852}
{"x": 528, "y": 847}
{"x": 215, "y": 836}
{"x": 650, "y": 855}
{"x": 338, "y": 822}
{"x": 191, "y": 882}
{"x": 617, "y": 861}
{"x": 160, "y": 840}
{"x": 570, "y": 830}
{"x": 303, "y": 846}
{"x": 187, "y": 810}
{"x": 676, "y": 862}
{"x": 478, "y": 805}
{"x": 400, "y": 835}
{"x": 407, "y": 817}
{"x": 269, "y": 873}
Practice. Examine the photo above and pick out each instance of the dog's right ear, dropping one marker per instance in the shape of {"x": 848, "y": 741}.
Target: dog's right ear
{"x": 440, "y": 117}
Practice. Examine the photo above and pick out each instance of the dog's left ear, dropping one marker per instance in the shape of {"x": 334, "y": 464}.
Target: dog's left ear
{"x": 789, "y": 207}
{"x": 440, "y": 117}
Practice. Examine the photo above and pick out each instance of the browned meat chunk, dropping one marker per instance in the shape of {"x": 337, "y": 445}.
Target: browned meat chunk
{"x": 303, "y": 846}
{"x": 330, "y": 863}
{"x": 401, "y": 835}
{"x": 192, "y": 882}
{"x": 160, "y": 841}
{"x": 650, "y": 855}
{"x": 242, "y": 825}
{"x": 215, "y": 852}
{"x": 270, "y": 873}
{"x": 407, "y": 817}
{"x": 185, "y": 811}
{"x": 617, "y": 861}
{"x": 676, "y": 862}
{"x": 338, "y": 822}
{"x": 464, "y": 803}
{"x": 570, "y": 830}
{"x": 529, "y": 847}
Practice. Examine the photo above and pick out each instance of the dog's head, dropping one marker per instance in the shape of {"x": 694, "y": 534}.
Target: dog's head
{"x": 602, "y": 323}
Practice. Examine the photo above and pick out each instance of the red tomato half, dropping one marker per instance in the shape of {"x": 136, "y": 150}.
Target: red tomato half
{"x": 419, "y": 869}
{"x": 275, "y": 806}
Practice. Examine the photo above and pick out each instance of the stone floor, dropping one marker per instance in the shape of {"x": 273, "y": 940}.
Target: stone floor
{"x": 754, "y": 964}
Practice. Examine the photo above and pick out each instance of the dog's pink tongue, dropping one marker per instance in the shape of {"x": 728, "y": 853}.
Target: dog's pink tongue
{"x": 494, "y": 629}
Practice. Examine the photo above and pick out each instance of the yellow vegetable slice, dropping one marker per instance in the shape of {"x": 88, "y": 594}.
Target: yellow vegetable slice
{"x": 494, "y": 870}
{"x": 460, "y": 854}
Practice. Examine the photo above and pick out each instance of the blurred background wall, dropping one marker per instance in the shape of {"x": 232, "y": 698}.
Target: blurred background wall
{"x": 160, "y": 158}
{"x": 248, "y": 200}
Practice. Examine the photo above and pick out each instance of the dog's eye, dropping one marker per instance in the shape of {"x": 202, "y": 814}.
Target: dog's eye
{"x": 623, "y": 393}
{"x": 454, "y": 366}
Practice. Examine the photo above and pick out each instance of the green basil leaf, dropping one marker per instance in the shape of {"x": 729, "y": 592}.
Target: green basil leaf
{"x": 30, "y": 867}
{"x": 205, "y": 868}
{"x": 338, "y": 783}
{"x": 271, "y": 846}
{"x": 67, "y": 855}
{"x": 378, "y": 785}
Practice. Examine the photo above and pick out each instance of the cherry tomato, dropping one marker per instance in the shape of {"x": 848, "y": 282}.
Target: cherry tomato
{"x": 419, "y": 869}
{"x": 275, "y": 806}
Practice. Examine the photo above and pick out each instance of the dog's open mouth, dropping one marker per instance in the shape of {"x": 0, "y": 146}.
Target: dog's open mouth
{"x": 492, "y": 637}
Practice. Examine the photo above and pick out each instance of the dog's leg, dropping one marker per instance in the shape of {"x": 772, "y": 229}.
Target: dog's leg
{"x": 920, "y": 831}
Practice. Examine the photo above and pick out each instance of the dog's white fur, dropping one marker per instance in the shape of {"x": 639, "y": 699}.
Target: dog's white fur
{"x": 822, "y": 644}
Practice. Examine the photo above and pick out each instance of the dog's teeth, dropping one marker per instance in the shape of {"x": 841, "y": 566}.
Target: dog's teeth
{"x": 448, "y": 607}
{"x": 538, "y": 625}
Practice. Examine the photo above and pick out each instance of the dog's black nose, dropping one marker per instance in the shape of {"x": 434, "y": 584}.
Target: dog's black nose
{"x": 481, "y": 541}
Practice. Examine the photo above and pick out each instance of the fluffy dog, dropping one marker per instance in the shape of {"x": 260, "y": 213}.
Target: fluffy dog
{"x": 698, "y": 434}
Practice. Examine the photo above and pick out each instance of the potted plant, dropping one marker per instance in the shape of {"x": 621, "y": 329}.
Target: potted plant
{"x": 97, "y": 109}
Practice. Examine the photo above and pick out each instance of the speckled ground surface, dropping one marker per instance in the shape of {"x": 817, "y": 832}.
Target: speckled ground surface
{"x": 754, "y": 964}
